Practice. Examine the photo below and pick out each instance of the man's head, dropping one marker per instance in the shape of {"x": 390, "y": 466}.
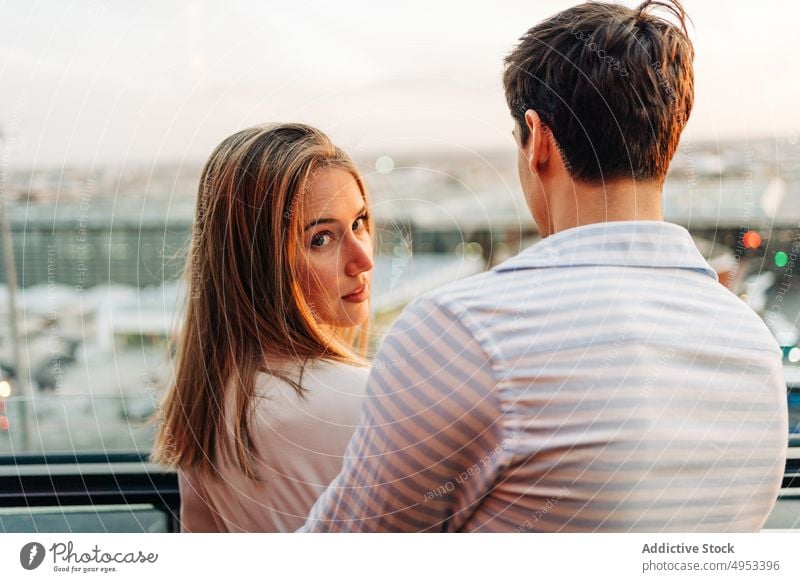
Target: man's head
{"x": 607, "y": 91}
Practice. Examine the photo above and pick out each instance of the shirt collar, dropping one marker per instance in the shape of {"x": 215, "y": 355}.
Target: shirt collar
{"x": 633, "y": 243}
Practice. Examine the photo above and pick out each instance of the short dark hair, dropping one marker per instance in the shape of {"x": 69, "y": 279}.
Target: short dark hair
{"x": 615, "y": 85}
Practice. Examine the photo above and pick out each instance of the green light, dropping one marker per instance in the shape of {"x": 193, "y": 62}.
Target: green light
{"x": 781, "y": 259}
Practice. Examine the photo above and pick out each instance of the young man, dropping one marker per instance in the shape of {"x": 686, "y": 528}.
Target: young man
{"x": 603, "y": 379}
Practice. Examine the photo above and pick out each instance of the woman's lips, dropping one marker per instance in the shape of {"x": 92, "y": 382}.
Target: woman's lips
{"x": 358, "y": 295}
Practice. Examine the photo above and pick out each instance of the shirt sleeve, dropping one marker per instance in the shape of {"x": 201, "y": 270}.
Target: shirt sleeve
{"x": 196, "y": 515}
{"x": 428, "y": 445}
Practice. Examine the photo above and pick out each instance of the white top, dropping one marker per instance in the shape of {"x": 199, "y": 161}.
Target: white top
{"x": 302, "y": 442}
{"x": 602, "y": 380}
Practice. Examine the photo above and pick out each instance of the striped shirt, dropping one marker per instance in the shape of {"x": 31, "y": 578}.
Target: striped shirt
{"x": 601, "y": 380}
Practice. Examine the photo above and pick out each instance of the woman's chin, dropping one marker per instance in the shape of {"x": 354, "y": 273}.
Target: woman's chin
{"x": 354, "y": 316}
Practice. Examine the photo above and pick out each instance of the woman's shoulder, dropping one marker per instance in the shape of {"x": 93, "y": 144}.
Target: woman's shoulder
{"x": 330, "y": 369}
{"x": 314, "y": 376}
{"x": 332, "y": 392}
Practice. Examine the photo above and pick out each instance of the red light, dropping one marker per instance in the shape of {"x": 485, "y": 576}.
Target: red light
{"x": 751, "y": 239}
{"x": 4, "y": 424}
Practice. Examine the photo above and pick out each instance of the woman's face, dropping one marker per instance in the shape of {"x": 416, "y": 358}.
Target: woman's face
{"x": 337, "y": 259}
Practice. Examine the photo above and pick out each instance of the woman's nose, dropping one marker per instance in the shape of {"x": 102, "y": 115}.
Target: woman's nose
{"x": 359, "y": 256}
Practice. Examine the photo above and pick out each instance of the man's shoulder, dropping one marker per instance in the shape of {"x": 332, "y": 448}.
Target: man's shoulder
{"x": 461, "y": 293}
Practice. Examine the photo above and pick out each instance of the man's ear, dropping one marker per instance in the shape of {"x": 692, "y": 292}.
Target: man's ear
{"x": 537, "y": 149}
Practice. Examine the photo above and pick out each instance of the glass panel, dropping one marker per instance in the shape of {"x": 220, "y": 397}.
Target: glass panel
{"x": 107, "y": 519}
{"x": 78, "y": 423}
{"x": 794, "y": 411}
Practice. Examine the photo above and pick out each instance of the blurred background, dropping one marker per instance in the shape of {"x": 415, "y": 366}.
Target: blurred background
{"x": 109, "y": 109}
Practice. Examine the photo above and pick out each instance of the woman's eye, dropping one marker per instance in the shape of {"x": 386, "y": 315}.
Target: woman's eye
{"x": 321, "y": 239}
{"x": 360, "y": 222}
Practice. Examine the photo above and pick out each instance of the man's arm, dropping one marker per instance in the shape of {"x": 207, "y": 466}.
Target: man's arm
{"x": 428, "y": 446}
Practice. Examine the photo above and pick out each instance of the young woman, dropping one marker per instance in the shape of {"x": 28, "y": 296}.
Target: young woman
{"x": 270, "y": 370}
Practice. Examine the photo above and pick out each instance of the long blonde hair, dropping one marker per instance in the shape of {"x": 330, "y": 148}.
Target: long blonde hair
{"x": 244, "y": 304}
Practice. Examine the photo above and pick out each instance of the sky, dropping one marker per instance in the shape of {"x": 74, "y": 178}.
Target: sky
{"x": 96, "y": 82}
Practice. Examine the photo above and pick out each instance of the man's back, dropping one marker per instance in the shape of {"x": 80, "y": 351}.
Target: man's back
{"x": 602, "y": 380}
{"x": 637, "y": 392}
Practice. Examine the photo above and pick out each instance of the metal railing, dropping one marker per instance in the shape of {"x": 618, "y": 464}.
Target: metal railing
{"x": 64, "y": 482}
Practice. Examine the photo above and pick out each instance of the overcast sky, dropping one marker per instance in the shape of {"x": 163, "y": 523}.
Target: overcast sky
{"x": 98, "y": 82}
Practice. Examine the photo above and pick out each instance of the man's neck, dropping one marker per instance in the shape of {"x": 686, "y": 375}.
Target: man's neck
{"x": 613, "y": 201}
